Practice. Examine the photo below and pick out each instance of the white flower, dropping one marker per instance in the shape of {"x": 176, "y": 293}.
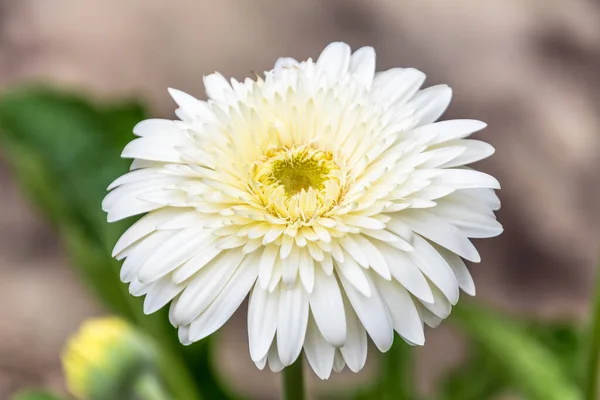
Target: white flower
{"x": 324, "y": 191}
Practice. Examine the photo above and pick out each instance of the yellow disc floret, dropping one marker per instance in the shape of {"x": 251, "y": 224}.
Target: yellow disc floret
{"x": 297, "y": 183}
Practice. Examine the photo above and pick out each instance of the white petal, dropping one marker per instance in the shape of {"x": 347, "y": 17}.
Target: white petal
{"x": 353, "y": 250}
{"x": 355, "y": 349}
{"x": 441, "y": 232}
{"x": 475, "y": 150}
{"x": 433, "y": 265}
{"x": 205, "y": 286}
{"x": 376, "y": 260}
{"x": 445, "y": 131}
{"x": 338, "y": 362}
{"x": 306, "y": 269}
{"x": 170, "y": 254}
{"x": 406, "y": 272}
{"x": 217, "y": 87}
{"x": 291, "y": 325}
{"x": 315, "y": 252}
{"x": 485, "y": 196}
{"x": 287, "y": 246}
{"x": 275, "y": 364}
{"x": 155, "y": 148}
{"x": 440, "y": 307}
{"x": 137, "y": 176}
{"x": 355, "y": 275}
{"x": 183, "y": 334}
{"x": 130, "y": 207}
{"x": 431, "y": 103}
{"x": 138, "y": 289}
{"x": 467, "y": 179}
{"x": 205, "y": 255}
{"x": 397, "y": 226}
{"x": 463, "y": 276}
{"x": 284, "y": 62}
{"x": 191, "y": 108}
{"x": 159, "y": 294}
{"x": 267, "y": 263}
{"x": 156, "y": 127}
{"x": 389, "y": 238}
{"x": 473, "y": 218}
{"x": 429, "y": 318}
{"x": 396, "y": 85}
{"x": 442, "y": 156}
{"x": 335, "y": 59}
{"x": 140, "y": 163}
{"x": 327, "y": 306}
{"x": 262, "y": 321}
{"x": 319, "y": 353}
{"x": 403, "y": 312}
{"x": 327, "y": 264}
{"x": 373, "y": 314}
{"x": 273, "y": 234}
{"x": 144, "y": 226}
{"x": 290, "y": 267}
{"x": 140, "y": 253}
{"x": 322, "y": 233}
{"x": 276, "y": 275}
{"x": 228, "y": 301}
{"x": 363, "y": 222}
{"x": 362, "y": 65}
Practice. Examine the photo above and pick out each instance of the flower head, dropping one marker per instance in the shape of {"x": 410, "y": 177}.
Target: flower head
{"x": 104, "y": 358}
{"x": 324, "y": 191}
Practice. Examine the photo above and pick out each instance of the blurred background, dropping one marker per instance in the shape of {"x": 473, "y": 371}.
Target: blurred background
{"x": 529, "y": 68}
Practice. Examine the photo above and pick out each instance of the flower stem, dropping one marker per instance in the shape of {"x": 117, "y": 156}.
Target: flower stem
{"x": 396, "y": 374}
{"x": 293, "y": 381}
{"x": 593, "y": 353}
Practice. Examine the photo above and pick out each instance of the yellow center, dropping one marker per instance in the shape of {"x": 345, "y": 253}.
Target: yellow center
{"x": 297, "y": 183}
{"x": 299, "y": 169}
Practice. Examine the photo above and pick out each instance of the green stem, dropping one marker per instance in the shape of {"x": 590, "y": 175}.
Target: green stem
{"x": 593, "y": 361}
{"x": 396, "y": 377}
{"x": 293, "y": 381}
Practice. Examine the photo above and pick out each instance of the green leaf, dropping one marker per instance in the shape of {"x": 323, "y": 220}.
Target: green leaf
{"x": 77, "y": 144}
{"x": 34, "y": 395}
{"x": 65, "y": 151}
{"x": 565, "y": 340}
{"x": 591, "y": 375}
{"x": 479, "y": 378}
{"x": 529, "y": 366}
{"x": 482, "y": 377}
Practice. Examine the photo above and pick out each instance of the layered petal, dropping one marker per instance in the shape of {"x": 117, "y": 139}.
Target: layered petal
{"x": 324, "y": 192}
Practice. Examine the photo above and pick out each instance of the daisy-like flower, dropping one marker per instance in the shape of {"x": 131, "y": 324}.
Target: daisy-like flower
{"x": 324, "y": 191}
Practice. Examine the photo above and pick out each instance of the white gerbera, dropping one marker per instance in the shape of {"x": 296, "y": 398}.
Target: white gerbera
{"x": 325, "y": 191}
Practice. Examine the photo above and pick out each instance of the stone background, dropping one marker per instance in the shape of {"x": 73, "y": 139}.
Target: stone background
{"x": 530, "y": 68}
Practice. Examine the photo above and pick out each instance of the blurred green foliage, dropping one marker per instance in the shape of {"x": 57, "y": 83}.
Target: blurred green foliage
{"x": 34, "y": 395}
{"x": 65, "y": 150}
{"x": 512, "y": 357}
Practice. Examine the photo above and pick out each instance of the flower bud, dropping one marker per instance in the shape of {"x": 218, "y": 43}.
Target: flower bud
{"x": 106, "y": 358}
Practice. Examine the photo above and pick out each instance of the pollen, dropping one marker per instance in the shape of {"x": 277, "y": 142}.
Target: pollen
{"x": 297, "y": 183}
